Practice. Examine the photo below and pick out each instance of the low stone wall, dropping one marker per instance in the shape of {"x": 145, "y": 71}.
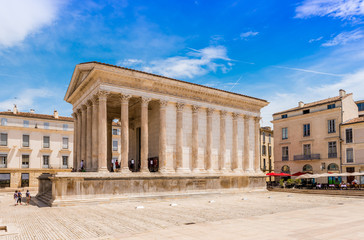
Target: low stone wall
{"x": 71, "y": 188}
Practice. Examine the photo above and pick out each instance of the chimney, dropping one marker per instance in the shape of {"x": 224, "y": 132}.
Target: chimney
{"x": 342, "y": 92}
{"x": 300, "y": 104}
{"x": 32, "y": 111}
{"x": 55, "y": 114}
{"x": 15, "y": 109}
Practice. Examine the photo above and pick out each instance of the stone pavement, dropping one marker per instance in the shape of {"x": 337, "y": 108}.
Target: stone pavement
{"x": 263, "y": 215}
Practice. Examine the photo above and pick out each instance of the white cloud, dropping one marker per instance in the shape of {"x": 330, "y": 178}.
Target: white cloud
{"x": 19, "y": 19}
{"x": 315, "y": 39}
{"x": 196, "y": 63}
{"x": 130, "y": 62}
{"x": 26, "y": 99}
{"x": 343, "y": 9}
{"x": 344, "y": 37}
{"x": 248, "y": 34}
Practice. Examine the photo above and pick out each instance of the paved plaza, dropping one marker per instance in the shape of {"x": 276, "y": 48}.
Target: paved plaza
{"x": 255, "y": 215}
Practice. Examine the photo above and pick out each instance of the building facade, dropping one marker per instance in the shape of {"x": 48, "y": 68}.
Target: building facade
{"x": 32, "y": 144}
{"x": 187, "y": 127}
{"x": 353, "y": 147}
{"x": 360, "y": 105}
{"x": 308, "y": 138}
{"x": 266, "y": 150}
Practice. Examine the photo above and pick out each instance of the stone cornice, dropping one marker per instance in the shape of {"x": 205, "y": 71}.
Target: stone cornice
{"x": 160, "y": 85}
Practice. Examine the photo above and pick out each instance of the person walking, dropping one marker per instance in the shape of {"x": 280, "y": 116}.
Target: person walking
{"x": 81, "y": 165}
{"x": 16, "y": 197}
{"x": 27, "y": 194}
{"x": 19, "y": 197}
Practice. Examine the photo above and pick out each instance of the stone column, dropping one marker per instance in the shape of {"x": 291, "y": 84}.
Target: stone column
{"x": 246, "y": 164}
{"x": 84, "y": 136}
{"x": 109, "y": 143}
{"x": 75, "y": 150}
{"x": 179, "y": 139}
{"x": 89, "y": 136}
{"x": 222, "y": 160}
{"x": 235, "y": 166}
{"x": 208, "y": 163}
{"x": 195, "y": 167}
{"x": 163, "y": 138}
{"x": 257, "y": 144}
{"x": 102, "y": 166}
{"x": 144, "y": 135}
{"x": 95, "y": 136}
{"x": 124, "y": 133}
{"x": 79, "y": 137}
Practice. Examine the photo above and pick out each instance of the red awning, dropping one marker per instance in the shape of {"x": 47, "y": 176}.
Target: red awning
{"x": 298, "y": 174}
{"x": 278, "y": 174}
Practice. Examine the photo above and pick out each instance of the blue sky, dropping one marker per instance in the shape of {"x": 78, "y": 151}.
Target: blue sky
{"x": 283, "y": 51}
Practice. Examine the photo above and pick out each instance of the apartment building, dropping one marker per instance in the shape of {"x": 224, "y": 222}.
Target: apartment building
{"x": 353, "y": 146}
{"x": 266, "y": 150}
{"x": 307, "y": 137}
{"x": 32, "y": 144}
{"x": 360, "y": 105}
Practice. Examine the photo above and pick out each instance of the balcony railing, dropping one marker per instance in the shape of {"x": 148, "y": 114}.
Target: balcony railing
{"x": 284, "y": 158}
{"x": 306, "y": 157}
{"x": 332, "y": 155}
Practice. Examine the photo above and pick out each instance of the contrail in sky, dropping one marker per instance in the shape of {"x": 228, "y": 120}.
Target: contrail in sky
{"x": 311, "y": 71}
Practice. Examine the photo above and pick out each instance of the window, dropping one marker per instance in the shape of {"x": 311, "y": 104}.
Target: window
{"x": 4, "y": 122}
{"x": 65, "y": 127}
{"x": 114, "y": 131}
{"x": 25, "y": 180}
{"x": 25, "y": 161}
{"x": 270, "y": 138}
{"x": 26, "y": 123}
{"x": 284, "y": 133}
{"x": 360, "y": 106}
{"x": 263, "y": 137}
{"x": 349, "y": 135}
{"x": 65, "y": 161}
{"x": 306, "y": 130}
{"x": 306, "y": 111}
{"x": 284, "y": 153}
{"x": 65, "y": 143}
{"x": 25, "y": 140}
{"x": 264, "y": 150}
{"x": 114, "y": 145}
{"x": 3, "y": 160}
{"x": 349, "y": 155}
{"x": 333, "y": 167}
{"x": 306, "y": 149}
{"x": 307, "y": 168}
{"x": 331, "y": 106}
{"x": 46, "y": 125}
{"x": 45, "y": 161}
{"x": 270, "y": 150}
{"x": 285, "y": 169}
{"x": 3, "y": 139}
{"x": 46, "y": 141}
{"x": 284, "y": 116}
{"x": 264, "y": 164}
{"x": 4, "y": 180}
{"x": 332, "y": 150}
{"x": 331, "y": 126}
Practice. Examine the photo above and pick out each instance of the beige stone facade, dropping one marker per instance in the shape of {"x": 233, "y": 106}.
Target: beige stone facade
{"x": 266, "y": 150}
{"x": 32, "y": 144}
{"x": 353, "y": 147}
{"x": 360, "y": 105}
{"x": 308, "y": 138}
{"x": 187, "y": 127}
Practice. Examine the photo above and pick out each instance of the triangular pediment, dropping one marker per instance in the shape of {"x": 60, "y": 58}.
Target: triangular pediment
{"x": 79, "y": 75}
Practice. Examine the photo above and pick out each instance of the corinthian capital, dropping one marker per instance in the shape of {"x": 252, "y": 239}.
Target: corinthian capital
{"x": 180, "y": 106}
{"x": 195, "y": 108}
{"x": 125, "y": 98}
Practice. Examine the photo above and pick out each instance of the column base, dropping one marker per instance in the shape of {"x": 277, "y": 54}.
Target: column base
{"x": 238, "y": 170}
{"x": 104, "y": 169}
{"x": 144, "y": 171}
{"x": 199, "y": 170}
{"x": 125, "y": 170}
{"x": 210, "y": 171}
{"x": 183, "y": 170}
{"x": 166, "y": 171}
{"x": 250, "y": 171}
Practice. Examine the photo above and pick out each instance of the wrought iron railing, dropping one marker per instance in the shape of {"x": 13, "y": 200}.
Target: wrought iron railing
{"x": 306, "y": 157}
